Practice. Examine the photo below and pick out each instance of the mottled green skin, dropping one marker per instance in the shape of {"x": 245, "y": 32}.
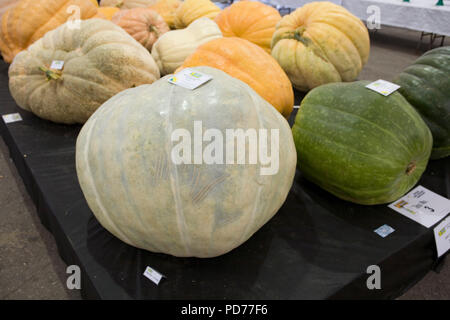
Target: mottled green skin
{"x": 426, "y": 85}
{"x": 358, "y": 144}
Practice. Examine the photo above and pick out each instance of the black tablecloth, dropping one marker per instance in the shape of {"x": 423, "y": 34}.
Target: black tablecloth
{"x": 316, "y": 247}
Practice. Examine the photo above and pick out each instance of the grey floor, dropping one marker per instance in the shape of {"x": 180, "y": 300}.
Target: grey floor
{"x": 30, "y": 267}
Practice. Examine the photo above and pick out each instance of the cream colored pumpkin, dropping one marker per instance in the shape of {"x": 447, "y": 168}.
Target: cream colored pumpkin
{"x": 173, "y": 47}
{"x": 127, "y": 4}
{"x": 137, "y": 192}
{"x": 100, "y": 60}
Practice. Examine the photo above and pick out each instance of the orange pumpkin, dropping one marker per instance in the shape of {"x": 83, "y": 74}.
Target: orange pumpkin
{"x": 106, "y": 12}
{"x": 29, "y": 20}
{"x": 253, "y": 21}
{"x": 167, "y": 9}
{"x": 143, "y": 24}
{"x": 249, "y": 63}
{"x": 6, "y": 4}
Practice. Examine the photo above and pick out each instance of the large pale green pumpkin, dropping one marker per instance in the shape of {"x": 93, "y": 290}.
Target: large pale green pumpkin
{"x": 100, "y": 60}
{"x": 426, "y": 85}
{"x": 360, "y": 145}
{"x": 125, "y": 168}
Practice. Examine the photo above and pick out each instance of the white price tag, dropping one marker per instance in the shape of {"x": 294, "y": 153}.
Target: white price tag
{"x": 57, "y": 65}
{"x": 383, "y": 87}
{"x": 384, "y": 230}
{"x": 442, "y": 236}
{"x": 189, "y": 78}
{"x": 422, "y": 206}
{"x": 12, "y": 117}
{"x": 153, "y": 275}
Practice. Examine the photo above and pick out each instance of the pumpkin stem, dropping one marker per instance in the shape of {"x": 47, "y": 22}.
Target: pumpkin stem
{"x": 155, "y": 30}
{"x": 50, "y": 74}
{"x": 410, "y": 168}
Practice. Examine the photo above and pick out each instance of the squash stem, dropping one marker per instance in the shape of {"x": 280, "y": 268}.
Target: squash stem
{"x": 50, "y": 74}
{"x": 410, "y": 168}
{"x": 155, "y": 30}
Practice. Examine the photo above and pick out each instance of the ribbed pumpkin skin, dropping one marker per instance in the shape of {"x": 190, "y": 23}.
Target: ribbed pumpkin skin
{"x": 29, "y": 20}
{"x": 426, "y": 85}
{"x": 107, "y": 12}
{"x": 167, "y": 9}
{"x": 127, "y": 4}
{"x": 359, "y": 145}
{"x": 101, "y": 59}
{"x": 253, "y": 21}
{"x": 320, "y": 43}
{"x": 191, "y": 10}
{"x": 249, "y": 63}
{"x": 124, "y": 166}
{"x": 173, "y": 47}
{"x": 7, "y": 4}
{"x": 143, "y": 24}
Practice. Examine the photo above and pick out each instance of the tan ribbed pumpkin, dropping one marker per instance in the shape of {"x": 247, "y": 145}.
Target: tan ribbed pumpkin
{"x": 319, "y": 43}
{"x": 100, "y": 60}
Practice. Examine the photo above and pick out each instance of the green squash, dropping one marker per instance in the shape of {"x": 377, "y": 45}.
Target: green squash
{"x": 360, "y": 145}
{"x": 426, "y": 85}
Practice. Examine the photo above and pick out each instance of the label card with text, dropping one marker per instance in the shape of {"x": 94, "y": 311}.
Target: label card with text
{"x": 189, "y": 79}
{"x": 57, "y": 65}
{"x": 12, "y": 117}
{"x": 383, "y": 87}
{"x": 153, "y": 275}
{"x": 423, "y": 206}
{"x": 442, "y": 236}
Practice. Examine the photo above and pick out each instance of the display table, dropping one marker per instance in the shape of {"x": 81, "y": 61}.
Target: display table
{"x": 418, "y": 15}
{"x": 316, "y": 246}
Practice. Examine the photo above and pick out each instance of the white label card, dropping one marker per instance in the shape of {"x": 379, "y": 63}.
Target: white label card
{"x": 12, "y": 117}
{"x": 189, "y": 78}
{"x": 57, "y": 65}
{"x": 153, "y": 275}
{"x": 383, "y": 87}
{"x": 442, "y": 236}
{"x": 384, "y": 230}
{"x": 423, "y": 206}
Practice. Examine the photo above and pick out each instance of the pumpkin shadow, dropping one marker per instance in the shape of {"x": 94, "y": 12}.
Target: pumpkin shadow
{"x": 231, "y": 276}
{"x": 333, "y": 234}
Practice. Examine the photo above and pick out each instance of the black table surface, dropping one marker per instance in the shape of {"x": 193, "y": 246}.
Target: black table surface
{"x": 316, "y": 247}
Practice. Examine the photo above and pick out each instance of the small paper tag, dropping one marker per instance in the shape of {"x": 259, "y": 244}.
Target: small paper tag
{"x": 12, "y": 117}
{"x": 383, "y": 87}
{"x": 384, "y": 230}
{"x": 153, "y": 275}
{"x": 189, "y": 79}
{"x": 422, "y": 206}
{"x": 57, "y": 65}
{"x": 442, "y": 236}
